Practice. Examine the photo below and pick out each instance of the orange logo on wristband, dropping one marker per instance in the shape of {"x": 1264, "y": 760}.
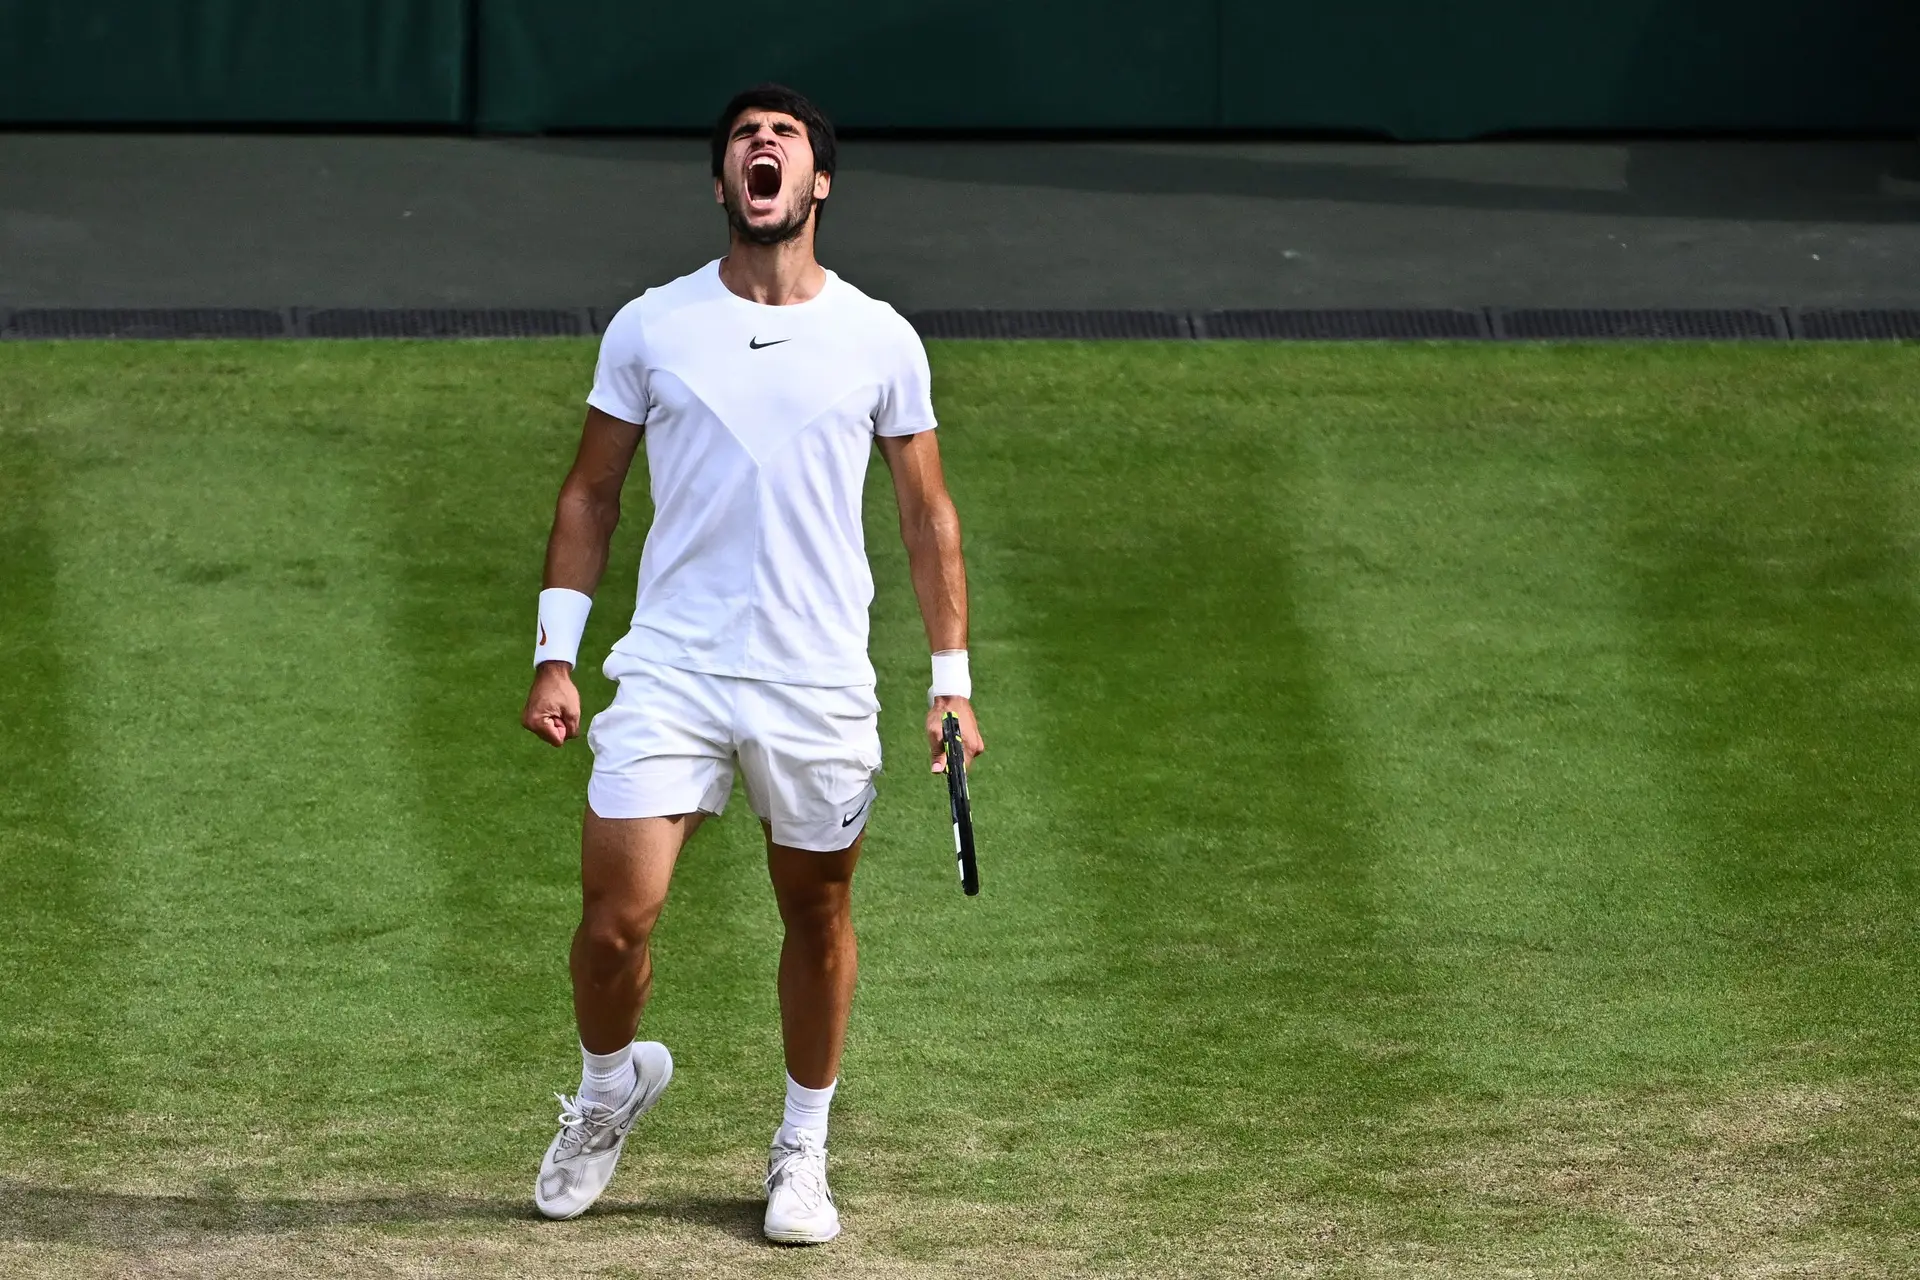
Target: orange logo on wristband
{"x": 543, "y": 635}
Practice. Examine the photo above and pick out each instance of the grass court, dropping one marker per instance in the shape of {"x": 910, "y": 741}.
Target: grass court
{"x": 1450, "y": 811}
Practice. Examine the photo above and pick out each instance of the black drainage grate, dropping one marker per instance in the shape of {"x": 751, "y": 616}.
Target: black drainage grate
{"x": 445, "y": 322}
{"x": 1333, "y": 325}
{"x": 1860, "y": 326}
{"x": 1341, "y": 326}
{"x": 1052, "y": 324}
{"x": 193, "y": 322}
{"x": 1732, "y": 323}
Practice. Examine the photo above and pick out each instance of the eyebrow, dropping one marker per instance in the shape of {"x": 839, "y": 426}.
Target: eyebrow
{"x": 778, "y": 126}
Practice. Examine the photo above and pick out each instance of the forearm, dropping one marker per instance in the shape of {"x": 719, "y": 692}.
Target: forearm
{"x": 578, "y": 546}
{"x": 939, "y": 574}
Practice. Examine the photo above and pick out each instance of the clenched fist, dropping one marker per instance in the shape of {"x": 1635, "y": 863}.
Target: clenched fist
{"x": 553, "y": 704}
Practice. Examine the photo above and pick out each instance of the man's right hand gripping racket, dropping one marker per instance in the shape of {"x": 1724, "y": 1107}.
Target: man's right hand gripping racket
{"x": 960, "y": 806}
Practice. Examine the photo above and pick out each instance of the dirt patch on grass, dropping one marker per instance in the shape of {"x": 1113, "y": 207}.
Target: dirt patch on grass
{"x": 1794, "y": 1181}
{"x": 1760, "y": 1184}
{"x": 685, "y": 1237}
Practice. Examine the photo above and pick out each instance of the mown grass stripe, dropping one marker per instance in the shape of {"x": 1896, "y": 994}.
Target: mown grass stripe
{"x": 238, "y": 747}
{"x": 59, "y": 935}
{"x": 1487, "y": 668}
{"x": 1771, "y": 537}
{"x": 1765, "y": 524}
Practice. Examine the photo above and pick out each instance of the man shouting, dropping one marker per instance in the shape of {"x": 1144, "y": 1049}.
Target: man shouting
{"x": 758, "y": 383}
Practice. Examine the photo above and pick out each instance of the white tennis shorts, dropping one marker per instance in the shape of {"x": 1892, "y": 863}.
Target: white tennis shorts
{"x": 669, "y": 742}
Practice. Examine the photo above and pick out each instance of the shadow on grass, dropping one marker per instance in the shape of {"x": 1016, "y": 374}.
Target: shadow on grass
{"x": 45, "y": 1215}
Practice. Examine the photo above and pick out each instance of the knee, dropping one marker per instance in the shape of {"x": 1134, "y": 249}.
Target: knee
{"x": 612, "y": 941}
{"x": 820, "y": 911}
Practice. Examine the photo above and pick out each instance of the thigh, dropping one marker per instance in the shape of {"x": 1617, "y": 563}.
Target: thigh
{"x": 627, "y": 863}
{"x": 807, "y": 881}
{"x": 808, "y": 757}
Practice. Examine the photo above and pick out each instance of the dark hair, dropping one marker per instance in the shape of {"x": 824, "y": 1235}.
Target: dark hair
{"x": 777, "y": 97}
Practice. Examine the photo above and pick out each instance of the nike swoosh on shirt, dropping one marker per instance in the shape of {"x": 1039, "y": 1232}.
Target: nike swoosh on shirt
{"x": 756, "y": 344}
{"x": 848, "y": 820}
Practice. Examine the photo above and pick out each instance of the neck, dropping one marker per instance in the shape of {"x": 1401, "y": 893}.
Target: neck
{"x": 777, "y": 275}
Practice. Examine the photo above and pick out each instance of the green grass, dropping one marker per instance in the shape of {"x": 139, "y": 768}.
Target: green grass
{"x": 1450, "y": 811}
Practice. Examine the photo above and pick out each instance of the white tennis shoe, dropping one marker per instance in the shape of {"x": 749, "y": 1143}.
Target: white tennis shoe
{"x": 799, "y": 1206}
{"x": 580, "y": 1160}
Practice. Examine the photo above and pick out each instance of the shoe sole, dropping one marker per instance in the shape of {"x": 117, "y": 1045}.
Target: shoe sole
{"x": 794, "y": 1237}
{"x": 646, "y": 1105}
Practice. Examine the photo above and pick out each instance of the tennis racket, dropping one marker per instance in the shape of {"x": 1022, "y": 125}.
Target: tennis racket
{"x": 960, "y": 806}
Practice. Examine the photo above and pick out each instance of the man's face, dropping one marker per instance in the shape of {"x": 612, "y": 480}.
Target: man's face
{"x": 766, "y": 181}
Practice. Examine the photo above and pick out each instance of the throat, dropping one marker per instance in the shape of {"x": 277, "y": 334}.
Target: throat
{"x": 772, "y": 275}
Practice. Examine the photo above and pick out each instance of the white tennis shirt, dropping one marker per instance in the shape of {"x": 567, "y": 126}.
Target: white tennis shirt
{"x": 759, "y": 424}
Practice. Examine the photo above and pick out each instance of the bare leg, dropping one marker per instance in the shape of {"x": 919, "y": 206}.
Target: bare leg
{"x": 818, "y": 959}
{"x": 625, "y": 865}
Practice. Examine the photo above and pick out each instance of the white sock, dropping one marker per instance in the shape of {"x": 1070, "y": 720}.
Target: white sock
{"x": 806, "y": 1109}
{"x": 606, "y": 1078}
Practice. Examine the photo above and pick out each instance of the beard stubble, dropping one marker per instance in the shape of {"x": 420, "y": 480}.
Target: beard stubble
{"x": 788, "y": 228}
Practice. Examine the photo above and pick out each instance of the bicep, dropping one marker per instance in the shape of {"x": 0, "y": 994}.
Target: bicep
{"x": 607, "y": 446}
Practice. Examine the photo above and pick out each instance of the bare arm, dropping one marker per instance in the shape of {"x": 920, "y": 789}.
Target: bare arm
{"x": 583, "y": 523}
{"x": 930, "y": 528}
{"x": 589, "y": 506}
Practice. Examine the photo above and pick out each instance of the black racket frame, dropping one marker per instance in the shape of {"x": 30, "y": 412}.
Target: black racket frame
{"x": 960, "y": 805}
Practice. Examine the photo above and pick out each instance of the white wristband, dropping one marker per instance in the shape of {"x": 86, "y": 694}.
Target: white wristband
{"x": 951, "y": 678}
{"x": 563, "y": 618}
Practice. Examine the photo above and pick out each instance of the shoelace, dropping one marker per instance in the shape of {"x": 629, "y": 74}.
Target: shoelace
{"x": 577, "y": 1119}
{"x": 804, "y": 1170}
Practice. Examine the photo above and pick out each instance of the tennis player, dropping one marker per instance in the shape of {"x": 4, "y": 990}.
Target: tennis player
{"x": 759, "y": 384}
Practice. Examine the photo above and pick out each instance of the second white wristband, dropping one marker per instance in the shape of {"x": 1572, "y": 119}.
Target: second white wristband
{"x": 951, "y": 679}
{"x": 563, "y": 620}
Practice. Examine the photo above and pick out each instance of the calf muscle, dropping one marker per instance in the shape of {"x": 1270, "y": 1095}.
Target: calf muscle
{"x": 818, "y": 959}
{"x": 625, "y": 867}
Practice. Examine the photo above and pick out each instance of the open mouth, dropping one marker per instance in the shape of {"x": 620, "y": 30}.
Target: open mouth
{"x": 763, "y": 182}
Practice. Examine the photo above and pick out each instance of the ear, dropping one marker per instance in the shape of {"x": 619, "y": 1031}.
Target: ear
{"x": 719, "y": 192}
{"x": 822, "y": 185}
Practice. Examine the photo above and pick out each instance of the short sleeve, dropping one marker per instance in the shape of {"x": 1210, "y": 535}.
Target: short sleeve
{"x": 620, "y": 377}
{"x": 906, "y": 402}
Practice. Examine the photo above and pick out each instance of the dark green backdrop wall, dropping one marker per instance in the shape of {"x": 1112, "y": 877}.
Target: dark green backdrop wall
{"x": 1432, "y": 70}
{"x": 973, "y": 64}
{"x": 1406, "y": 68}
{"x": 234, "y": 61}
